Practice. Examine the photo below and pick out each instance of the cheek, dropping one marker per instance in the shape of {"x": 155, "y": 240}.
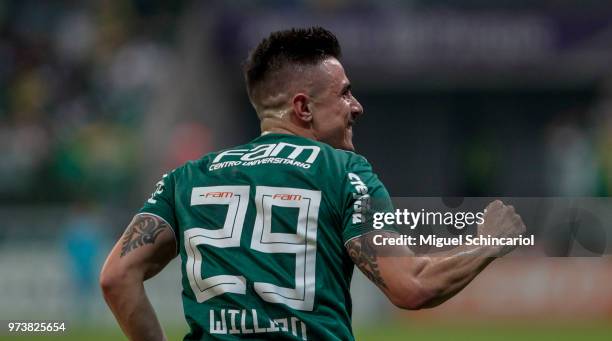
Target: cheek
{"x": 331, "y": 121}
{"x": 332, "y": 124}
{"x": 342, "y": 113}
{"x": 340, "y": 124}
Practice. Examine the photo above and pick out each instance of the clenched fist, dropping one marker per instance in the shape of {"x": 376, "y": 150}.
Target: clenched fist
{"x": 501, "y": 221}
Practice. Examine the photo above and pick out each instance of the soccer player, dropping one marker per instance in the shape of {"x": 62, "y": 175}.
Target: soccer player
{"x": 268, "y": 232}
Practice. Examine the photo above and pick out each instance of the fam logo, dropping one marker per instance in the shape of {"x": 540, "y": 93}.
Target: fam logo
{"x": 307, "y": 154}
{"x": 295, "y": 197}
{"x": 217, "y": 195}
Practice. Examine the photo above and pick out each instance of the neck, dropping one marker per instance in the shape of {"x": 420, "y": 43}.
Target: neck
{"x": 281, "y": 126}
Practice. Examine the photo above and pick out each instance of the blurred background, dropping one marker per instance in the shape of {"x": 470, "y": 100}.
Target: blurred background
{"x": 474, "y": 98}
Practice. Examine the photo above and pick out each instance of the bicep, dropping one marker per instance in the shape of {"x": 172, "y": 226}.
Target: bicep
{"x": 144, "y": 249}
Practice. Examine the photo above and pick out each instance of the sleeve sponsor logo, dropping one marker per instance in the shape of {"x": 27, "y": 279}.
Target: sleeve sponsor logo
{"x": 159, "y": 188}
{"x": 361, "y": 203}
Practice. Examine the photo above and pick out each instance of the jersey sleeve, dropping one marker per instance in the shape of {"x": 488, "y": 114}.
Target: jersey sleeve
{"x": 161, "y": 202}
{"x": 364, "y": 195}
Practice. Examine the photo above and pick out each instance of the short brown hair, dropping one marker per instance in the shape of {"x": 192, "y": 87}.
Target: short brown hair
{"x": 301, "y": 46}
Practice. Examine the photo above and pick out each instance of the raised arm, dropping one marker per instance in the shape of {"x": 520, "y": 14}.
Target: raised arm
{"x": 415, "y": 282}
{"x": 146, "y": 247}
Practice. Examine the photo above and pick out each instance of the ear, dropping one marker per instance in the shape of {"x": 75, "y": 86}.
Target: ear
{"x": 301, "y": 107}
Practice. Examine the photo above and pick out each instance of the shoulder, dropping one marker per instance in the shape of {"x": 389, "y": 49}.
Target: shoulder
{"x": 341, "y": 156}
{"x": 190, "y": 166}
{"x": 353, "y": 160}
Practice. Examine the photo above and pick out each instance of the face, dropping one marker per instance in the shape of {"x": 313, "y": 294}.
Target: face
{"x": 333, "y": 107}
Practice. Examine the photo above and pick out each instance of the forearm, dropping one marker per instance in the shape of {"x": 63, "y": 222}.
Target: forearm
{"x": 418, "y": 281}
{"x": 445, "y": 274}
{"x": 449, "y": 272}
{"x": 129, "y": 303}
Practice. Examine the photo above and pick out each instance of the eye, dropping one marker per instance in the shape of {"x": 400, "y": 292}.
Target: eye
{"x": 346, "y": 91}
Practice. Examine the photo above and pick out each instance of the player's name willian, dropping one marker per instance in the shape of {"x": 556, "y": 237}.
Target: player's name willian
{"x": 271, "y": 153}
{"x": 247, "y": 322}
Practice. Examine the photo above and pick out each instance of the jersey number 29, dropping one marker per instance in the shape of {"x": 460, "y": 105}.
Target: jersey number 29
{"x": 303, "y": 243}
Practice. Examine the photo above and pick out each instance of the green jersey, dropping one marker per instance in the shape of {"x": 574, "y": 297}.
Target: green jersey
{"x": 261, "y": 232}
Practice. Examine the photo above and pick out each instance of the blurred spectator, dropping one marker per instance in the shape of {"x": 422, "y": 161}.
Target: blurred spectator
{"x": 83, "y": 243}
{"x": 572, "y": 167}
{"x": 76, "y": 83}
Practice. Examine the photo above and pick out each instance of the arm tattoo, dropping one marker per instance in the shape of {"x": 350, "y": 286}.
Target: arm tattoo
{"x": 364, "y": 254}
{"x": 144, "y": 229}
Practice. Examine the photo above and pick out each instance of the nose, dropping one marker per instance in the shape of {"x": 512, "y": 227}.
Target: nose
{"x": 356, "y": 108}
